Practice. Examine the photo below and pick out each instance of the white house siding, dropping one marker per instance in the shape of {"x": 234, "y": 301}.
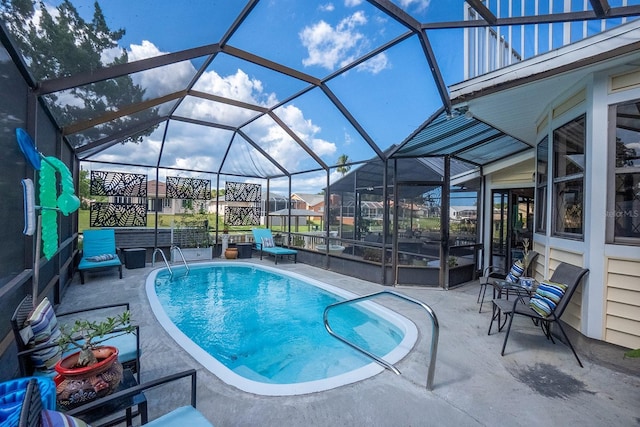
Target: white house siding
{"x": 520, "y": 175}
{"x": 623, "y": 301}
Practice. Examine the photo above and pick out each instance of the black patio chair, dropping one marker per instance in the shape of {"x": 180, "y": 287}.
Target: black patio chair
{"x": 493, "y": 273}
{"x": 186, "y": 415}
{"x": 128, "y": 344}
{"x": 567, "y": 274}
{"x": 32, "y": 411}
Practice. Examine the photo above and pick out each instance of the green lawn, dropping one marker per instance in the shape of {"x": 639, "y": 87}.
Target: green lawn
{"x": 164, "y": 220}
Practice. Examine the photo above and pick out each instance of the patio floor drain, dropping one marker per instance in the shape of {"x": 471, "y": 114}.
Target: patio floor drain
{"x": 550, "y": 381}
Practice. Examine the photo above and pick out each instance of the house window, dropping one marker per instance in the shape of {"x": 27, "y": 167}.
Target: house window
{"x": 122, "y": 200}
{"x": 166, "y": 203}
{"x": 624, "y": 207}
{"x": 542, "y": 167}
{"x": 568, "y": 179}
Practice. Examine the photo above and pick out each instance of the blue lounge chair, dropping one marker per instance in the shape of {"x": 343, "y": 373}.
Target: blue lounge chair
{"x": 263, "y": 240}
{"x": 99, "y": 252}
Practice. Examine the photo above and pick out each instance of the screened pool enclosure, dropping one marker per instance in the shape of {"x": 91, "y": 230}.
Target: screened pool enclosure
{"x": 346, "y": 101}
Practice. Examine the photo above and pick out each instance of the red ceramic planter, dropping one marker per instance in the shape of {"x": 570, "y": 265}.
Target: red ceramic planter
{"x": 106, "y": 355}
{"x": 76, "y": 386}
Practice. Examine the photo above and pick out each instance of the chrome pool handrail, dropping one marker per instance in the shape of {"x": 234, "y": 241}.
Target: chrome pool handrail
{"x": 434, "y": 334}
{"x": 158, "y": 250}
{"x": 153, "y": 259}
{"x": 181, "y": 255}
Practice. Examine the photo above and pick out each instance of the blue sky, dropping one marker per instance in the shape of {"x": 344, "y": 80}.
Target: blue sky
{"x": 390, "y": 95}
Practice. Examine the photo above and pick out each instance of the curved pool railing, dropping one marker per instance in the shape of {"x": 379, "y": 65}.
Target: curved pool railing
{"x": 174, "y": 247}
{"x": 435, "y": 332}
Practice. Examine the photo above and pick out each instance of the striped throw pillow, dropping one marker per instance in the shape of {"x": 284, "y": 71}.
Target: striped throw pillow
{"x": 103, "y": 257}
{"x": 547, "y": 296}
{"x": 44, "y": 325}
{"x": 516, "y": 271}
{"x": 50, "y": 418}
{"x": 267, "y": 242}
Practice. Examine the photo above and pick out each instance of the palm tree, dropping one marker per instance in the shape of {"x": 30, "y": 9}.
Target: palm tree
{"x": 342, "y": 164}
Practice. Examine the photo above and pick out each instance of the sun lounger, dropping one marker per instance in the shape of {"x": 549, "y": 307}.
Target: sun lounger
{"x": 99, "y": 252}
{"x": 263, "y": 240}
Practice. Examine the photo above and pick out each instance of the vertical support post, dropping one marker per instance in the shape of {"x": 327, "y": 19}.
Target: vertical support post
{"x": 327, "y": 210}
{"x": 444, "y": 224}
{"x": 289, "y": 216}
{"x": 395, "y": 245}
{"x": 267, "y": 221}
{"x": 385, "y": 220}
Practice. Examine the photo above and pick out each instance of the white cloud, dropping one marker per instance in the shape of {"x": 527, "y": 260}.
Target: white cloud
{"x": 376, "y": 64}
{"x": 329, "y": 7}
{"x": 196, "y": 147}
{"x": 162, "y": 80}
{"x": 238, "y": 86}
{"x": 352, "y": 3}
{"x": 306, "y": 130}
{"x": 418, "y": 5}
{"x": 329, "y": 47}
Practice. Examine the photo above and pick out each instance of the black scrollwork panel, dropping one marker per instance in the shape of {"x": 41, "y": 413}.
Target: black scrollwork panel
{"x": 188, "y": 188}
{"x": 118, "y": 184}
{"x": 117, "y": 215}
{"x": 240, "y": 215}
{"x": 242, "y": 192}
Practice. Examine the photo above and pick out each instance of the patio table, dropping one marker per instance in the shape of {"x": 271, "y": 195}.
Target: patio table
{"x": 504, "y": 287}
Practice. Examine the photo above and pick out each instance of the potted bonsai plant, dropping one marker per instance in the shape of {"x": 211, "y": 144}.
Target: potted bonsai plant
{"x": 93, "y": 371}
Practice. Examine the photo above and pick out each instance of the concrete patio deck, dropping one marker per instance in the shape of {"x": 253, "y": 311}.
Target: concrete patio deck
{"x": 535, "y": 383}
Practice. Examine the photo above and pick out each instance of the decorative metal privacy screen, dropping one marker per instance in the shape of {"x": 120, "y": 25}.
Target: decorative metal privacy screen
{"x": 130, "y": 186}
{"x": 118, "y": 184}
{"x": 188, "y": 188}
{"x": 118, "y": 215}
{"x": 242, "y": 192}
{"x": 237, "y": 215}
{"x": 251, "y": 195}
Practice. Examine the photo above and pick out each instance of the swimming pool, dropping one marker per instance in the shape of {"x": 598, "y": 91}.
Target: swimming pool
{"x": 261, "y": 329}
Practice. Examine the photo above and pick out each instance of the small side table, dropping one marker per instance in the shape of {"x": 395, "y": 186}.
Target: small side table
{"x": 135, "y": 258}
{"x": 505, "y": 307}
{"x": 244, "y": 250}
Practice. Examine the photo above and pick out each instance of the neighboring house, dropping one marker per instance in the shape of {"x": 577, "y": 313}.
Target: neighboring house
{"x": 157, "y": 200}
{"x": 463, "y": 213}
{"x": 310, "y": 202}
{"x": 172, "y": 206}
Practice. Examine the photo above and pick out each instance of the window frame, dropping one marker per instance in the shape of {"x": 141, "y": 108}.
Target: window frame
{"x": 542, "y": 187}
{"x": 612, "y": 174}
{"x": 558, "y": 181}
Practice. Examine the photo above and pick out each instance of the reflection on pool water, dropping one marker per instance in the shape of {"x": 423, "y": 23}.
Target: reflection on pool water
{"x": 261, "y": 329}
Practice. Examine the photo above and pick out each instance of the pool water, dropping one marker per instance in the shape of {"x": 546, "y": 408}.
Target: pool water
{"x": 258, "y": 326}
